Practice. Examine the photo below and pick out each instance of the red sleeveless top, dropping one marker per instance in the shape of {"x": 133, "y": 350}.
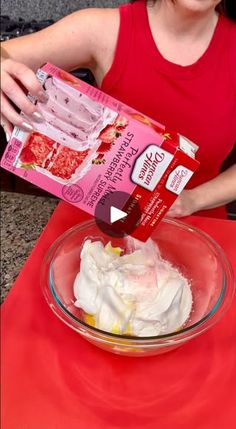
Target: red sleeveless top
{"x": 199, "y": 100}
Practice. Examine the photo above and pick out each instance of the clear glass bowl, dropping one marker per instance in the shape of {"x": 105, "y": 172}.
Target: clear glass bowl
{"x": 193, "y": 252}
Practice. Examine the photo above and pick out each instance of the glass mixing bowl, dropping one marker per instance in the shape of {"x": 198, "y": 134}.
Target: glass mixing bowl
{"x": 194, "y": 253}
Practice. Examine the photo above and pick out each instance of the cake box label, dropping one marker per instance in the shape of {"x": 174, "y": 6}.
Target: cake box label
{"x": 90, "y": 145}
{"x": 150, "y": 166}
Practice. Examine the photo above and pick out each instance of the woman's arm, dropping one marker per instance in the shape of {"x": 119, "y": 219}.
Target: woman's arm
{"x": 70, "y": 43}
{"x": 217, "y": 192}
{"x": 83, "y": 39}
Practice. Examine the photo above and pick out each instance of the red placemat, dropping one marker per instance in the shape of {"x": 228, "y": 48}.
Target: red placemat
{"x": 54, "y": 379}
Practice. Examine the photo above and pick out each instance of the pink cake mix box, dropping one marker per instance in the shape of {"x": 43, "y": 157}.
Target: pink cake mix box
{"x": 91, "y": 145}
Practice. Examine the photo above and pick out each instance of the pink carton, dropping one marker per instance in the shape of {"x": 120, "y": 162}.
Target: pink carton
{"x": 91, "y": 145}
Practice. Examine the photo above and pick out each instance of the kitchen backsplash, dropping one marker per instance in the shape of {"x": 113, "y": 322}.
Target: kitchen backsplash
{"x": 53, "y": 9}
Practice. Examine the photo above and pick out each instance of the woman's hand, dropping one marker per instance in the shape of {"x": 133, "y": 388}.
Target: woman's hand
{"x": 214, "y": 193}
{"x": 16, "y": 80}
{"x": 184, "y": 205}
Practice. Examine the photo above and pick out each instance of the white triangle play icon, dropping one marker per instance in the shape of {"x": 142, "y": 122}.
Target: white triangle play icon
{"x": 116, "y": 214}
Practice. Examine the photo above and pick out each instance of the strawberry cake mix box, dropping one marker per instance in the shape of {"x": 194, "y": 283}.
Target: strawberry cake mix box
{"x": 91, "y": 145}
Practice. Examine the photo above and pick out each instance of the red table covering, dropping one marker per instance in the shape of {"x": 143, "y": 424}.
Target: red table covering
{"x": 54, "y": 379}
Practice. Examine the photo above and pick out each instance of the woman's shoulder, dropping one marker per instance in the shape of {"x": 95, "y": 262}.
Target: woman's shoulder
{"x": 102, "y": 29}
{"x": 101, "y": 18}
{"x": 97, "y": 23}
{"x": 103, "y": 25}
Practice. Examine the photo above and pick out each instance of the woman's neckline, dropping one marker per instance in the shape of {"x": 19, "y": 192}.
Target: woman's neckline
{"x": 178, "y": 70}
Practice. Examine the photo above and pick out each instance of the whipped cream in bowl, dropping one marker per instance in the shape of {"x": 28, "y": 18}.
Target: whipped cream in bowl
{"x": 136, "y": 293}
{"x": 133, "y": 298}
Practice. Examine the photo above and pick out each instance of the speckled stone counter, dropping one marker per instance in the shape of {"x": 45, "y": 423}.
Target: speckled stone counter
{"x": 23, "y": 218}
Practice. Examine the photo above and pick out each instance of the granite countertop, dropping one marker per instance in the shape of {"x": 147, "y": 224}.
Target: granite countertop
{"x": 23, "y": 218}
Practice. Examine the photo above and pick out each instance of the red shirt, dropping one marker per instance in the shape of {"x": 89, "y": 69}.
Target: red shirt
{"x": 199, "y": 100}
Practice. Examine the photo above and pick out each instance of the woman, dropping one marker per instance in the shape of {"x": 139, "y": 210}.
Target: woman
{"x": 174, "y": 60}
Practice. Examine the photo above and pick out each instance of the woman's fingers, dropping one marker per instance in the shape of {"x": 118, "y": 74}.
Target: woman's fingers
{"x": 13, "y": 91}
{"x": 16, "y": 77}
{"x": 12, "y": 116}
{"x": 26, "y": 77}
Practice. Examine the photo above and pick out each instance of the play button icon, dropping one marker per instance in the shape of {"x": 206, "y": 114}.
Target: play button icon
{"x": 117, "y": 214}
